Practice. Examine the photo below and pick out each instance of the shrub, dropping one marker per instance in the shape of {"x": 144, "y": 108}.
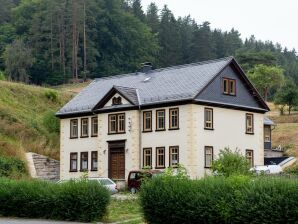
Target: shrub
{"x": 51, "y": 95}
{"x": 76, "y": 201}
{"x": 12, "y": 167}
{"x": 2, "y": 76}
{"x": 238, "y": 199}
{"x": 230, "y": 163}
{"x": 51, "y": 122}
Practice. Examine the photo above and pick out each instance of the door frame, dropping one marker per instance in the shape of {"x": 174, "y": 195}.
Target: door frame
{"x": 111, "y": 145}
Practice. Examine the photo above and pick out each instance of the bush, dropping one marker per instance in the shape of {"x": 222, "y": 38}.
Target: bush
{"x": 51, "y": 122}
{"x": 76, "y": 201}
{"x": 12, "y": 167}
{"x": 51, "y": 95}
{"x": 238, "y": 199}
{"x": 230, "y": 163}
{"x": 2, "y": 76}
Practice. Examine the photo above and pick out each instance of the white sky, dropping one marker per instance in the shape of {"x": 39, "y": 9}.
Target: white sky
{"x": 275, "y": 20}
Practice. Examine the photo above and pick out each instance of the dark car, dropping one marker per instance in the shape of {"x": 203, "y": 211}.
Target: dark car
{"x": 136, "y": 177}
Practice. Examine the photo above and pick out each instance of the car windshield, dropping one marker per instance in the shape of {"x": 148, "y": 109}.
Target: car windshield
{"x": 105, "y": 181}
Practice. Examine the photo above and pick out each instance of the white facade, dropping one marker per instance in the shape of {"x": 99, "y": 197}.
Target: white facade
{"x": 191, "y": 138}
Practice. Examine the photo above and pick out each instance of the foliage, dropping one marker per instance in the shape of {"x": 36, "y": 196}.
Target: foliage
{"x": 51, "y": 95}
{"x": 287, "y": 95}
{"x": 230, "y": 163}
{"x": 179, "y": 172}
{"x": 79, "y": 201}
{"x": 220, "y": 200}
{"x": 2, "y": 76}
{"x": 51, "y": 122}
{"x": 12, "y": 167}
{"x": 266, "y": 77}
{"x": 292, "y": 169}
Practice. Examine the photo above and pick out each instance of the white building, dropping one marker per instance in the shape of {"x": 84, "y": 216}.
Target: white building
{"x": 159, "y": 118}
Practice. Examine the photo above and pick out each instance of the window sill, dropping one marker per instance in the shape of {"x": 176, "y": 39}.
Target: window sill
{"x": 87, "y": 136}
{"x": 160, "y": 130}
{"x": 207, "y": 167}
{"x": 173, "y": 129}
{"x": 73, "y": 137}
{"x": 93, "y": 136}
{"x": 84, "y": 170}
{"x": 146, "y": 131}
{"x": 209, "y": 129}
{"x": 94, "y": 170}
{"x": 147, "y": 167}
{"x": 160, "y": 168}
{"x": 249, "y": 133}
{"x": 73, "y": 171}
{"x": 117, "y": 133}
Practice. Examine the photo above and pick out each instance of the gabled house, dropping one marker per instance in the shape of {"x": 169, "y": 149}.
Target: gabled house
{"x": 159, "y": 118}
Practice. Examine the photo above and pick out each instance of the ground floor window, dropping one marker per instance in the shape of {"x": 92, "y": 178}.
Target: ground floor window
{"x": 208, "y": 156}
{"x": 94, "y": 160}
{"x": 147, "y": 157}
{"x": 249, "y": 154}
{"x": 84, "y": 161}
{"x": 174, "y": 156}
{"x": 160, "y": 157}
{"x": 73, "y": 162}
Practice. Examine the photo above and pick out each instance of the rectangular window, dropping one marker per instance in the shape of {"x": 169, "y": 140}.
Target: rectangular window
{"x": 84, "y": 161}
{"x": 84, "y": 127}
{"x": 229, "y": 86}
{"x": 174, "y": 156}
{"x": 74, "y": 128}
{"x": 209, "y": 118}
{"x": 267, "y": 134}
{"x": 160, "y": 120}
{"x": 116, "y": 123}
{"x": 147, "y": 157}
{"x": 249, "y": 154}
{"x": 174, "y": 118}
{"x": 94, "y": 160}
{"x": 208, "y": 156}
{"x": 73, "y": 162}
{"x": 249, "y": 123}
{"x": 147, "y": 121}
{"x": 94, "y": 126}
{"x": 160, "y": 157}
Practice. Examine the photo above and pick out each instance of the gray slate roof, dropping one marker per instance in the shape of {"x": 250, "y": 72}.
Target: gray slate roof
{"x": 268, "y": 121}
{"x": 160, "y": 85}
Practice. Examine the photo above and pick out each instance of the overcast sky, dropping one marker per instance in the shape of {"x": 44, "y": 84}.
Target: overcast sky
{"x": 275, "y": 20}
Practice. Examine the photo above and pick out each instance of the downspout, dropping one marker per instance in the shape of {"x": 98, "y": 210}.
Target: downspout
{"x": 140, "y": 130}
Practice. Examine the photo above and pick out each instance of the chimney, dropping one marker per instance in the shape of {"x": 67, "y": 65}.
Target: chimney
{"x": 146, "y": 67}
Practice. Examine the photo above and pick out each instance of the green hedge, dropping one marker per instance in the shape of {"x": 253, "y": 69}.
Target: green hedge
{"x": 219, "y": 200}
{"x": 75, "y": 201}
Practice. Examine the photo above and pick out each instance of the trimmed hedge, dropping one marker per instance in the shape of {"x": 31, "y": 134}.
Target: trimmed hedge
{"x": 219, "y": 200}
{"x": 74, "y": 201}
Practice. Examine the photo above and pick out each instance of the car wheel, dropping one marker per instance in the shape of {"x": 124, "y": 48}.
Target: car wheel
{"x": 133, "y": 190}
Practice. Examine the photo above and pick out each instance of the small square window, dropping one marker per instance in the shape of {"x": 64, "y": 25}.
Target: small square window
{"x": 229, "y": 86}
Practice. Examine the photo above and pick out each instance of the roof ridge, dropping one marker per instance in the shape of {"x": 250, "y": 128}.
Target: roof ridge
{"x": 127, "y": 87}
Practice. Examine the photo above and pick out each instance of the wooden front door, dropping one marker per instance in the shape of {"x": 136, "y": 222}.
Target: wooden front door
{"x": 116, "y": 162}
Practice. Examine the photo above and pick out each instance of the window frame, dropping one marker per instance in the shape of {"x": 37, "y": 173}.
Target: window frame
{"x": 93, "y": 134}
{"x": 170, "y": 119}
{"x": 170, "y": 156}
{"x": 205, "y": 119}
{"x": 267, "y": 127}
{"x": 145, "y": 129}
{"x": 81, "y": 161}
{"x": 252, "y": 157}
{"x": 205, "y": 156}
{"x": 87, "y": 134}
{"x": 70, "y": 162}
{"x": 228, "y": 91}
{"x": 150, "y": 149}
{"x": 71, "y": 136}
{"x": 252, "y": 124}
{"x": 157, "y": 165}
{"x": 117, "y": 120}
{"x": 93, "y": 159}
{"x": 157, "y": 128}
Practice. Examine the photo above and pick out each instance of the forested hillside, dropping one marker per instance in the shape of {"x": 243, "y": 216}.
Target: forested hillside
{"x": 57, "y": 41}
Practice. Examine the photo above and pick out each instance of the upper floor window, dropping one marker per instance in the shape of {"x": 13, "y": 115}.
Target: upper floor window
{"x": 174, "y": 156}
{"x": 147, "y": 121}
{"x": 147, "y": 157}
{"x": 94, "y": 126}
{"x": 94, "y": 160}
{"x": 267, "y": 134}
{"x": 117, "y": 100}
{"x": 74, "y": 128}
{"x": 84, "y": 161}
{"x": 160, "y": 157}
{"x": 208, "y": 118}
{"x": 84, "y": 127}
{"x": 116, "y": 123}
{"x": 249, "y": 123}
{"x": 73, "y": 162}
{"x": 174, "y": 118}
{"x": 160, "y": 120}
{"x": 249, "y": 154}
{"x": 208, "y": 156}
{"x": 229, "y": 86}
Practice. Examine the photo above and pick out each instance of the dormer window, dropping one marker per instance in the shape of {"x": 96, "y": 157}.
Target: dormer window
{"x": 229, "y": 86}
{"x": 117, "y": 100}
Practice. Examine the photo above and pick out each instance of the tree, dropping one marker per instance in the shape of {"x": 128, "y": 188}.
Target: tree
{"x": 266, "y": 77}
{"x": 287, "y": 95}
{"x": 152, "y": 18}
{"x": 18, "y": 60}
{"x": 137, "y": 10}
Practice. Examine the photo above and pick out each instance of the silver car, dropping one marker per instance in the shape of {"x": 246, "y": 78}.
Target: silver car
{"x": 106, "y": 182}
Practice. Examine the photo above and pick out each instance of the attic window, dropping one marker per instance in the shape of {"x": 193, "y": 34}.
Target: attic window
{"x": 229, "y": 86}
{"x": 117, "y": 100}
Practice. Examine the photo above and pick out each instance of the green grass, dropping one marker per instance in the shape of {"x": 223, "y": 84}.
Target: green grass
{"x": 124, "y": 211}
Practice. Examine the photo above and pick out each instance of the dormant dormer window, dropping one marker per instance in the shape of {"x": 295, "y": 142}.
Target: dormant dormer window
{"x": 74, "y": 128}
{"x": 84, "y": 127}
{"x": 229, "y": 86}
{"x": 249, "y": 123}
{"x": 117, "y": 100}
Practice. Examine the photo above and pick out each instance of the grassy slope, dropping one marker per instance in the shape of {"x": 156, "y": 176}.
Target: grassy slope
{"x": 22, "y": 109}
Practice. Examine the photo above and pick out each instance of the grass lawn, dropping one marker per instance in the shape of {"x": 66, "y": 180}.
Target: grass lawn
{"x": 123, "y": 211}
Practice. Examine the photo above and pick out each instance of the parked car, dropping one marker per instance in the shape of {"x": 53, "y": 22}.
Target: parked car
{"x": 104, "y": 181}
{"x": 269, "y": 169}
{"x": 136, "y": 177}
